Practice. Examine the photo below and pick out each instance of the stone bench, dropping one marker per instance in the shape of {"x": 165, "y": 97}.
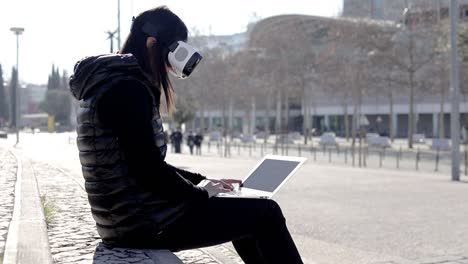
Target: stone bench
{"x": 328, "y": 139}
{"x": 113, "y": 255}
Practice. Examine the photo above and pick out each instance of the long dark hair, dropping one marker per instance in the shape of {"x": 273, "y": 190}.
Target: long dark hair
{"x": 153, "y": 60}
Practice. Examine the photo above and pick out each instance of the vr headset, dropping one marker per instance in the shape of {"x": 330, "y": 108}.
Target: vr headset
{"x": 182, "y": 57}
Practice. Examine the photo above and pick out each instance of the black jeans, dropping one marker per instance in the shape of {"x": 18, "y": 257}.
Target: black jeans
{"x": 256, "y": 227}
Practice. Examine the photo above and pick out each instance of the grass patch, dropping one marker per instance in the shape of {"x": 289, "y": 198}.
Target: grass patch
{"x": 49, "y": 210}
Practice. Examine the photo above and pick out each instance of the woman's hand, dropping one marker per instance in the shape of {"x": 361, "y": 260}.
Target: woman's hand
{"x": 214, "y": 187}
{"x": 228, "y": 183}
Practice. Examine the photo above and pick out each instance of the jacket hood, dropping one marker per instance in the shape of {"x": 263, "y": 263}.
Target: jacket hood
{"x": 92, "y": 72}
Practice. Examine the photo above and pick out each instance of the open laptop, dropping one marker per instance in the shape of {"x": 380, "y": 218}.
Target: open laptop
{"x": 268, "y": 176}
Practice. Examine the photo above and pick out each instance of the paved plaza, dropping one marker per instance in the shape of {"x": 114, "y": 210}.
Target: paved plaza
{"x": 336, "y": 214}
{"x": 7, "y": 191}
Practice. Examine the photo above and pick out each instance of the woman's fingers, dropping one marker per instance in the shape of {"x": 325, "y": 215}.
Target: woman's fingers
{"x": 232, "y": 181}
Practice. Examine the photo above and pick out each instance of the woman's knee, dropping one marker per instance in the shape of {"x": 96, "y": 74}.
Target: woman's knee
{"x": 274, "y": 209}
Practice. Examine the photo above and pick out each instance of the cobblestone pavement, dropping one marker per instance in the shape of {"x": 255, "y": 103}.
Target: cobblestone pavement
{"x": 435, "y": 260}
{"x": 72, "y": 233}
{"x": 7, "y": 194}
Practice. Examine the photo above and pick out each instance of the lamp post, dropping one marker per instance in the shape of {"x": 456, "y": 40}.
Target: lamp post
{"x": 17, "y": 31}
{"x": 118, "y": 25}
{"x": 455, "y": 90}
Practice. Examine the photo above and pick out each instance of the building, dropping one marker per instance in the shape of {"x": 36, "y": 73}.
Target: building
{"x": 393, "y": 9}
{"x": 31, "y": 96}
{"x": 328, "y": 113}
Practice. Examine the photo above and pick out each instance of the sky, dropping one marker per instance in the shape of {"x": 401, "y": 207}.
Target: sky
{"x": 61, "y": 32}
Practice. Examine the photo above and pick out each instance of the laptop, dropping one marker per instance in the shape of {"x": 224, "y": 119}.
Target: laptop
{"x": 268, "y": 176}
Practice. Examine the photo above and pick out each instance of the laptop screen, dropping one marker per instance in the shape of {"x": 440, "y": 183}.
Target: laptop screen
{"x": 270, "y": 174}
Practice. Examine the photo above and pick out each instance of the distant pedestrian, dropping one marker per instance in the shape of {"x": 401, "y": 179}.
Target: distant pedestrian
{"x": 177, "y": 139}
{"x": 198, "y": 143}
{"x": 191, "y": 141}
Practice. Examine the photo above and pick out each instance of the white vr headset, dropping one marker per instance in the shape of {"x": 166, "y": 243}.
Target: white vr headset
{"x": 182, "y": 57}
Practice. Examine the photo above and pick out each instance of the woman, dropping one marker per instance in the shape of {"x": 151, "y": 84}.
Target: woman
{"x": 137, "y": 199}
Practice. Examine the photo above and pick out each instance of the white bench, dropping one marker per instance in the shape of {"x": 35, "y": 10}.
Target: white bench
{"x": 371, "y": 136}
{"x": 284, "y": 139}
{"x": 328, "y": 139}
{"x": 440, "y": 144}
{"x": 419, "y": 138}
{"x": 215, "y": 136}
{"x": 249, "y": 138}
{"x": 381, "y": 142}
{"x": 108, "y": 255}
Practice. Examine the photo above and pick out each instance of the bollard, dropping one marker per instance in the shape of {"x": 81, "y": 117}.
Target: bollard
{"x": 381, "y": 157}
{"x": 397, "y": 157}
{"x": 352, "y": 156}
{"x": 255, "y": 146}
{"x": 238, "y": 149}
{"x": 209, "y": 147}
{"x": 417, "y": 159}
{"x": 250, "y": 150}
{"x": 329, "y": 155}
{"x": 437, "y": 160}
{"x": 261, "y": 150}
{"x": 346, "y": 156}
{"x": 401, "y": 153}
{"x": 466, "y": 162}
{"x": 366, "y": 152}
{"x": 299, "y": 150}
{"x": 315, "y": 154}
{"x": 287, "y": 149}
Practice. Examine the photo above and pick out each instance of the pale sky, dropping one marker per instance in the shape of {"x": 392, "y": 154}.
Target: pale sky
{"x": 63, "y": 31}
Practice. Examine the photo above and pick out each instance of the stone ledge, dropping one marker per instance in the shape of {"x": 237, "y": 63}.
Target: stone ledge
{"x": 109, "y": 255}
{"x": 27, "y": 240}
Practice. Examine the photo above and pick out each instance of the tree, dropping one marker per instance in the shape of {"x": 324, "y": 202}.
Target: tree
{"x": 57, "y": 103}
{"x": 185, "y": 111}
{"x": 54, "y": 82}
{"x": 415, "y": 46}
{"x": 13, "y": 94}
{"x": 4, "y": 111}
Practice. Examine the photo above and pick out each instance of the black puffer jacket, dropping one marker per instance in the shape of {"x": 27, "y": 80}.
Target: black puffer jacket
{"x": 125, "y": 210}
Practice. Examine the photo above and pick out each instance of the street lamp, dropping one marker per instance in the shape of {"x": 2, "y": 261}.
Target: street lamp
{"x": 455, "y": 89}
{"x": 17, "y": 31}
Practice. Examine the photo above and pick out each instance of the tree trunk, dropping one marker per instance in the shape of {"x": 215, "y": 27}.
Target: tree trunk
{"x": 231, "y": 116}
{"x": 411, "y": 112}
{"x": 354, "y": 124}
{"x": 278, "y": 113}
{"x": 202, "y": 119}
{"x": 306, "y": 119}
{"x": 346, "y": 121}
{"x": 253, "y": 116}
{"x": 267, "y": 118}
{"x": 390, "y": 118}
{"x": 441, "y": 125}
{"x": 286, "y": 123}
{"x": 411, "y": 79}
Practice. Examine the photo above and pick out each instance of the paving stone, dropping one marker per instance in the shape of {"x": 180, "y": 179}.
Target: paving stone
{"x": 8, "y": 169}
{"x": 72, "y": 232}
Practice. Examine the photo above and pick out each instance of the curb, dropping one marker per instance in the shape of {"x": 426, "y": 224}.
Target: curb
{"x": 27, "y": 240}
{"x": 221, "y": 257}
